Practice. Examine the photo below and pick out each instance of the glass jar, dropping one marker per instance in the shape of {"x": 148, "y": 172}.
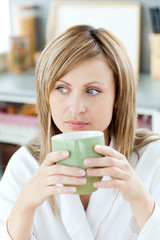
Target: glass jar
{"x": 25, "y": 24}
{"x": 18, "y": 57}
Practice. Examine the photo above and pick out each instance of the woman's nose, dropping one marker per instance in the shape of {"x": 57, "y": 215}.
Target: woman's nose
{"x": 77, "y": 105}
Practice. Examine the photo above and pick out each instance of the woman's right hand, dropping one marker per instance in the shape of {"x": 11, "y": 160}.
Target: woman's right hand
{"x": 40, "y": 186}
{"x": 43, "y": 183}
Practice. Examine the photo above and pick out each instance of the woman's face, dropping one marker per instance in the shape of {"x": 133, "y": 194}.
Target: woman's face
{"x": 83, "y": 99}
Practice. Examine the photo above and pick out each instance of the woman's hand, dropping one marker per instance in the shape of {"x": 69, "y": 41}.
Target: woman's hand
{"x": 115, "y": 165}
{"x": 124, "y": 178}
{"x": 40, "y": 186}
{"x": 43, "y": 183}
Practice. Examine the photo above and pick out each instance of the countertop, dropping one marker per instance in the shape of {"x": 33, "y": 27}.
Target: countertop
{"x": 18, "y": 87}
{"x": 148, "y": 92}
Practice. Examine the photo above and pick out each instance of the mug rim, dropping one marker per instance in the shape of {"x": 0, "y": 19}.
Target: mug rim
{"x": 77, "y": 135}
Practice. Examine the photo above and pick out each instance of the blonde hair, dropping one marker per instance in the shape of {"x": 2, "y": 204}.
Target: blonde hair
{"x": 59, "y": 56}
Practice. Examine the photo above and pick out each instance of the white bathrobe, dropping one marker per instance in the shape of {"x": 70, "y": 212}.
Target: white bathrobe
{"x": 108, "y": 216}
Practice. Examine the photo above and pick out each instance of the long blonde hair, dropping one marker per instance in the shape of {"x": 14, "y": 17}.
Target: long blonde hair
{"x": 59, "y": 56}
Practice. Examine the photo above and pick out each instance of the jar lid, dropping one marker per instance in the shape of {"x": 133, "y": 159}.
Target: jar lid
{"x": 25, "y": 7}
{"x": 17, "y": 37}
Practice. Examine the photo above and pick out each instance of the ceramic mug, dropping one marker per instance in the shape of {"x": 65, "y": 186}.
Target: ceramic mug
{"x": 80, "y": 145}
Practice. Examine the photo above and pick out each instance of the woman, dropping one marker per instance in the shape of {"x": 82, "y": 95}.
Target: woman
{"x": 84, "y": 81}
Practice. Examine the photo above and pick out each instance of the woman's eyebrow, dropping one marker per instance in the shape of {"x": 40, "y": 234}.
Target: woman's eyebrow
{"x": 63, "y": 82}
{"x": 90, "y": 83}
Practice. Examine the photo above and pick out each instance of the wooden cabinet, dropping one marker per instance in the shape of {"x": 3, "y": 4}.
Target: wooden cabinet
{"x": 6, "y": 152}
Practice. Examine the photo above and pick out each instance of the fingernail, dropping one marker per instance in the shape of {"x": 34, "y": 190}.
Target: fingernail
{"x": 96, "y": 184}
{"x": 64, "y": 153}
{"x": 97, "y": 147}
{"x": 72, "y": 189}
{"x": 87, "y": 162}
{"x": 90, "y": 171}
{"x": 82, "y": 180}
{"x": 81, "y": 172}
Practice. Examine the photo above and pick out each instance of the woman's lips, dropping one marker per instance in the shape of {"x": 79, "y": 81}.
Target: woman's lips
{"x": 76, "y": 124}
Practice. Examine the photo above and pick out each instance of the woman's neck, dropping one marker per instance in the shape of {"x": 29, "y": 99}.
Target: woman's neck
{"x": 85, "y": 200}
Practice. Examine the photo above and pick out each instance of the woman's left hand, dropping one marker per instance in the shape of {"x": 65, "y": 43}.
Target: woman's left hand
{"x": 115, "y": 165}
{"x": 123, "y": 177}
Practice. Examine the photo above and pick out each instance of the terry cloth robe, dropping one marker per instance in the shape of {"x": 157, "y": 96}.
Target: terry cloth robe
{"x": 108, "y": 215}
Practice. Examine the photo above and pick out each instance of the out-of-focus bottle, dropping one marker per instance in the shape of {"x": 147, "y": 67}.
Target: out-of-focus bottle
{"x": 18, "y": 56}
{"x": 25, "y": 24}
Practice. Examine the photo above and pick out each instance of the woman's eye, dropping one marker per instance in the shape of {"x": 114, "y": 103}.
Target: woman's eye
{"x": 93, "y": 91}
{"x": 62, "y": 89}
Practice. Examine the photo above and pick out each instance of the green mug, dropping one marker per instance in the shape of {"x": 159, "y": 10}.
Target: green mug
{"x": 80, "y": 145}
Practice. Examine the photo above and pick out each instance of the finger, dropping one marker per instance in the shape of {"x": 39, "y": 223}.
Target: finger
{"x": 65, "y": 170}
{"x": 109, "y": 184}
{"x": 54, "y": 157}
{"x": 108, "y": 151}
{"x": 111, "y": 171}
{"x": 60, "y": 179}
{"x": 55, "y": 190}
{"x": 103, "y": 162}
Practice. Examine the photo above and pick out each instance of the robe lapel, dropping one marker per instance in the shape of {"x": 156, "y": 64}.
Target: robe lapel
{"x": 100, "y": 205}
{"x": 74, "y": 218}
